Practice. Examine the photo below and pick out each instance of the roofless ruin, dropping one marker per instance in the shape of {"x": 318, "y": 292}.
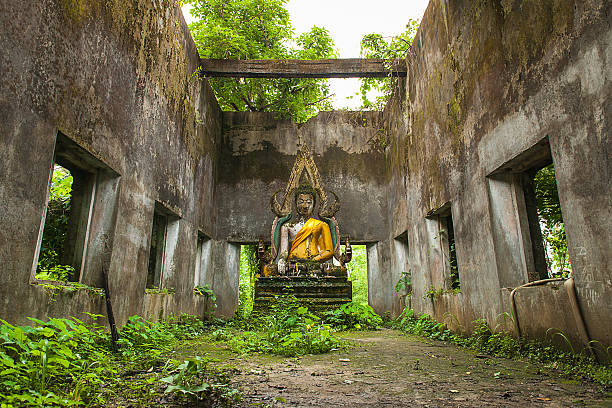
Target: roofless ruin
{"x": 438, "y": 186}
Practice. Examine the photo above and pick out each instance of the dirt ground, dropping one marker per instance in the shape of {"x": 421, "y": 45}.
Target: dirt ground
{"x": 389, "y": 369}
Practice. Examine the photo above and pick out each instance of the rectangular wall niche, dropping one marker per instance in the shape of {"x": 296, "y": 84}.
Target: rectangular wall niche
{"x": 164, "y": 236}
{"x": 401, "y": 255}
{"x": 442, "y": 234}
{"x": 69, "y": 244}
{"x": 202, "y": 261}
{"x": 520, "y": 248}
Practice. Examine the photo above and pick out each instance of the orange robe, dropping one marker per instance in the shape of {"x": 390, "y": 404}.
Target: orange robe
{"x": 321, "y": 241}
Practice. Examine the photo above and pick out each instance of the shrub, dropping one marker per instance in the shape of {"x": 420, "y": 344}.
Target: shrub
{"x": 38, "y": 364}
{"x": 353, "y": 316}
{"x": 289, "y": 329}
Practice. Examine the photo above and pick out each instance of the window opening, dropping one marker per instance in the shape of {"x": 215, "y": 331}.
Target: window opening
{"x": 358, "y": 273}
{"x": 202, "y": 259}
{"x": 51, "y": 261}
{"x": 69, "y": 246}
{"x": 552, "y": 238}
{"x": 443, "y": 217}
{"x": 159, "y": 232}
{"x": 452, "y": 255}
{"x": 527, "y": 187}
{"x": 404, "y": 284}
{"x": 450, "y": 250}
{"x": 62, "y": 252}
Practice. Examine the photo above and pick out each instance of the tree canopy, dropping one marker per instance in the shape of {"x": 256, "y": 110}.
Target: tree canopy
{"x": 390, "y": 48}
{"x": 261, "y": 29}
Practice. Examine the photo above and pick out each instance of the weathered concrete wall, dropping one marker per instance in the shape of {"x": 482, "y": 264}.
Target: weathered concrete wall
{"x": 116, "y": 78}
{"x": 258, "y": 153}
{"x": 489, "y": 85}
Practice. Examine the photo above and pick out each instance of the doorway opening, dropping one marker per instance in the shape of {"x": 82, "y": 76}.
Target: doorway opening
{"x": 358, "y": 273}
{"x": 249, "y": 269}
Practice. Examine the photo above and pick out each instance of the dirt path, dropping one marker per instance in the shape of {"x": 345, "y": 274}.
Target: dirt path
{"x": 388, "y": 369}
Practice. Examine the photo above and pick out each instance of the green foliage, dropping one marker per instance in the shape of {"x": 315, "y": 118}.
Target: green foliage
{"x": 54, "y": 289}
{"x": 353, "y": 316}
{"x": 551, "y": 220}
{"x": 549, "y": 207}
{"x": 61, "y": 362}
{"x": 160, "y": 291}
{"x": 261, "y": 29}
{"x": 139, "y": 335}
{"x": 56, "y": 226}
{"x": 249, "y": 268}
{"x": 193, "y": 380}
{"x": 358, "y": 274}
{"x": 65, "y": 362}
{"x": 434, "y": 293}
{"x": 288, "y": 329}
{"x": 502, "y": 344}
{"x": 377, "y": 46}
{"x": 404, "y": 284}
{"x": 206, "y": 292}
{"x": 61, "y": 273}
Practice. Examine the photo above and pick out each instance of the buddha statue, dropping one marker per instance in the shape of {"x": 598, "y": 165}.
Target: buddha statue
{"x": 304, "y": 244}
{"x": 306, "y": 239}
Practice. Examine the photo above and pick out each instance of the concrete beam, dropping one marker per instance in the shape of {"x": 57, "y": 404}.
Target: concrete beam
{"x": 325, "y": 68}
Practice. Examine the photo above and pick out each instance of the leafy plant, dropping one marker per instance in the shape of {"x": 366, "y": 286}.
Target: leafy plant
{"x": 207, "y": 292}
{"x": 193, "y": 379}
{"x": 404, "y": 284}
{"x": 65, "y": 362}
{"x": 38, "y": 364}
{"x": 353, "y": 316}
{"x": 160, "y": 291}
{"x": 288, "y": 329}
{"x": 434, "y": 293}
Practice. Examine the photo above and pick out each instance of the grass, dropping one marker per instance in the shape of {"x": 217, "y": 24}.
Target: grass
{"x": 503, "y": 344}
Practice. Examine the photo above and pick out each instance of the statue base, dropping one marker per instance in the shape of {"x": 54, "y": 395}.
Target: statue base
{"x": 318, "y": 293}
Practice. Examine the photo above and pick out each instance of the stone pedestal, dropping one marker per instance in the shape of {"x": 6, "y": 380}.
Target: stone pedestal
{"x": 318, "y": 293}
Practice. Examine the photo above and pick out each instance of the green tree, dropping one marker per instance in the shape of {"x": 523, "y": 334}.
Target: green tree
{"x": 551, "y": 220}
{"x": 56, "y": 226}
{"x": 261, "y": 29}
{"x": 389, "y": 48}
{"x": 249, "y": 267}
{"x": 358, "y": 274}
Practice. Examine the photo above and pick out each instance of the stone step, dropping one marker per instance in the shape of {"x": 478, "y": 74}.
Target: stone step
{"x": 318, "y": 304}
{"x": 300, "y": 295}
{"x": 317, "y": 293}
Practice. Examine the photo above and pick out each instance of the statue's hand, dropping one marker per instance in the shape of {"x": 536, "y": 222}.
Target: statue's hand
{"x": 282, "y": 266}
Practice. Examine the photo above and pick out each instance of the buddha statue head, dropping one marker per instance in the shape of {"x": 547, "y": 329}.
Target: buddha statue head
{"x": 305, "y": 200}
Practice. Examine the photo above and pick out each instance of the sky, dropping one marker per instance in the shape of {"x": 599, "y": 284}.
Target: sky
{"x": 348, "y": 21}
